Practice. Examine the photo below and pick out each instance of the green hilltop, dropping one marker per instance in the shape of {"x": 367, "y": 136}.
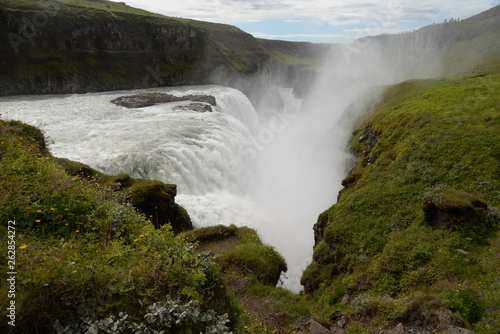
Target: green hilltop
{"x": 75, "y": 46}
{"x": 415, "y": 230}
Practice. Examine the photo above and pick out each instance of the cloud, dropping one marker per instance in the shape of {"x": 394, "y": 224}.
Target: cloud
{"x": 386, "y": 15}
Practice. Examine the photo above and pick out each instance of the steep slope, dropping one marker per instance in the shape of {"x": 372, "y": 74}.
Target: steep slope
{"x": 460, "y": 44}
{"x": 415, "y": 231}
{"x": 84, "y": 254}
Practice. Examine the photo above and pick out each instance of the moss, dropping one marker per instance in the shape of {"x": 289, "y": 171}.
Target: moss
{"x": 260, "y": 261}
{"x": 452, "y": 209}
{"x": 77, "y": 168}
{"x": 240, "y": 252}
{"x": 322, "y": 253}
{"x": 154, "y": 199}
{"x": 83, "y": 253}
{"x": 211, "y": 234}
{"x": 436, "y": 143}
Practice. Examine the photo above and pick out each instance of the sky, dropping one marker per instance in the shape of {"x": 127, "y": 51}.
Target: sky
{"x": 320, "y": 21}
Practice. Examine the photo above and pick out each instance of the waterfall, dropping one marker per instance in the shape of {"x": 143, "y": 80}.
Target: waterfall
{"x": 229, "y": 167}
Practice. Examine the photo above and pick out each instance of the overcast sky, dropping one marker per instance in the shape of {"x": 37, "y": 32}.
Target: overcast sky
{"x": 330, "y": 21}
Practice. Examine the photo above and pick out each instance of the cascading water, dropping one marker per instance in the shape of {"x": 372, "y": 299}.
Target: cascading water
{"x": 229, "y": 168}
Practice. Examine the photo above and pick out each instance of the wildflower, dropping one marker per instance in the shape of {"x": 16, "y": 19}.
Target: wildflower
{"x": 23, "y": 246}
{"x": 141, "y": 236}
{"x": 39, "y": 211}
{"x": 136, "y": 240}
{"x": 38, "y": 220}
{"x": 52, "y": 209}
{"x": 77, "y": 231}
{"x": 66, "y": 224}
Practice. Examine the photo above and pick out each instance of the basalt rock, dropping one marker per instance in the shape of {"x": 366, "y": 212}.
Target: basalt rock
{"x": 150, "y": 99}
{"x": 155, "y": 199}
{"x": 449, "y": 209}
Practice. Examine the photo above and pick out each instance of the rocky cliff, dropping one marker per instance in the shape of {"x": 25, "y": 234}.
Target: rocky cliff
{"x": 80, "y": 46}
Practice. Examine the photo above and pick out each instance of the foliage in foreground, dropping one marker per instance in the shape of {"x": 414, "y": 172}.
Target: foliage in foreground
{"x": 83, "y": 254}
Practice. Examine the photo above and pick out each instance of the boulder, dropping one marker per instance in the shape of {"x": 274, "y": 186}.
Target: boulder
{"x": 307, "y": 325}
{"x": 156, "y": 200}
{"x": 448, "y": 209}
{"x": 150, "y": 99}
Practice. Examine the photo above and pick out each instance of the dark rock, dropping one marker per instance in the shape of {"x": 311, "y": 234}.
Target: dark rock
{"x": 197, "y": 107}
{"x": 319, "y": 227}
{"x": 307, "y": 325}
{"x": 369, "y": 137}
{"x": 156, "y": 200}
{"x": 448, "y": 209}
{"x": 150, "y": 99}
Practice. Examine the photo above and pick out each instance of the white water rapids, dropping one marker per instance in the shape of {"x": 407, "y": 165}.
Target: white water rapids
{"x": 275, "y": 175}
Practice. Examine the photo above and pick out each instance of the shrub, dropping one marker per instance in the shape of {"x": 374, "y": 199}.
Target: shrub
{"x": 255, "y": 259}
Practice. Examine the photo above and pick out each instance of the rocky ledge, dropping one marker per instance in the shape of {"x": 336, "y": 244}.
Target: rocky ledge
{"x": 150, "y": 99}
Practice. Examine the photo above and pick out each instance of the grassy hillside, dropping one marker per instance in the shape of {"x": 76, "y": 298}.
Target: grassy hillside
{"x": 87, "y": 259}
{"x": 416, "y": 227}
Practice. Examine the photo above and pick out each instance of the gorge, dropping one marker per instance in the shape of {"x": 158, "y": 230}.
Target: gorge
{"x": 294, "y": 127}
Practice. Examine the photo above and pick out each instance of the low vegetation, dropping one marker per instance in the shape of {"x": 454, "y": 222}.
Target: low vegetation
{"x": 252, "y": 271}
{"x": 90, "y": 259}
{"x": 416, "y": 227}
{"x": 84, "y": 253}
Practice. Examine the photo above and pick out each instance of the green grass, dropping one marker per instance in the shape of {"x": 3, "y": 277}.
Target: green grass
{"x": 82, "y": 250}
{"x": 436, "y": 140}
{"x": 254, "y": 269}
{"x": 79, "y": 6}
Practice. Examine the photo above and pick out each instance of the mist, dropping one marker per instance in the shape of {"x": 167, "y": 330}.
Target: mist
{"x": 302, "y": 154}
{"x": 273, "y": 168}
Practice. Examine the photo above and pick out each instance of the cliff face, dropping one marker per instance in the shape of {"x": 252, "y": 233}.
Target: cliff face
{"x": 57, "y": 47}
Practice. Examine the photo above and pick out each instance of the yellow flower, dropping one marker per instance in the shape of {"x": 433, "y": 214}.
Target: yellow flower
{"x": 38, "y": 211}
{"x": 38, "y": 220}
{"x": 141, "y": 236}
{"x": 52, "y": 209}
{"x": 23, "y": 246}
{"x": 136, "y": 240}
{"x": 66, "y": 224}
{"x": 77, "y": 231}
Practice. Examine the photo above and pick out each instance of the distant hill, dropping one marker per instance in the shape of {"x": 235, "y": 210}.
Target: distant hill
{"x": 76, "y": 46}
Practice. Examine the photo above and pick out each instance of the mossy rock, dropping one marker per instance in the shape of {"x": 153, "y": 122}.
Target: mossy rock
{"x": 311, "y": 277}
{"x": 156, "y": 200}
{"x": 322, "y": 253}
{"x": 448, "y": 209}
{"x": 211, "y": 234}
{"x": 240, "y": 252}
{"x": 29, "y": 132}
{"x": 77, "y": 168}
{"x": 256, "y": 259}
